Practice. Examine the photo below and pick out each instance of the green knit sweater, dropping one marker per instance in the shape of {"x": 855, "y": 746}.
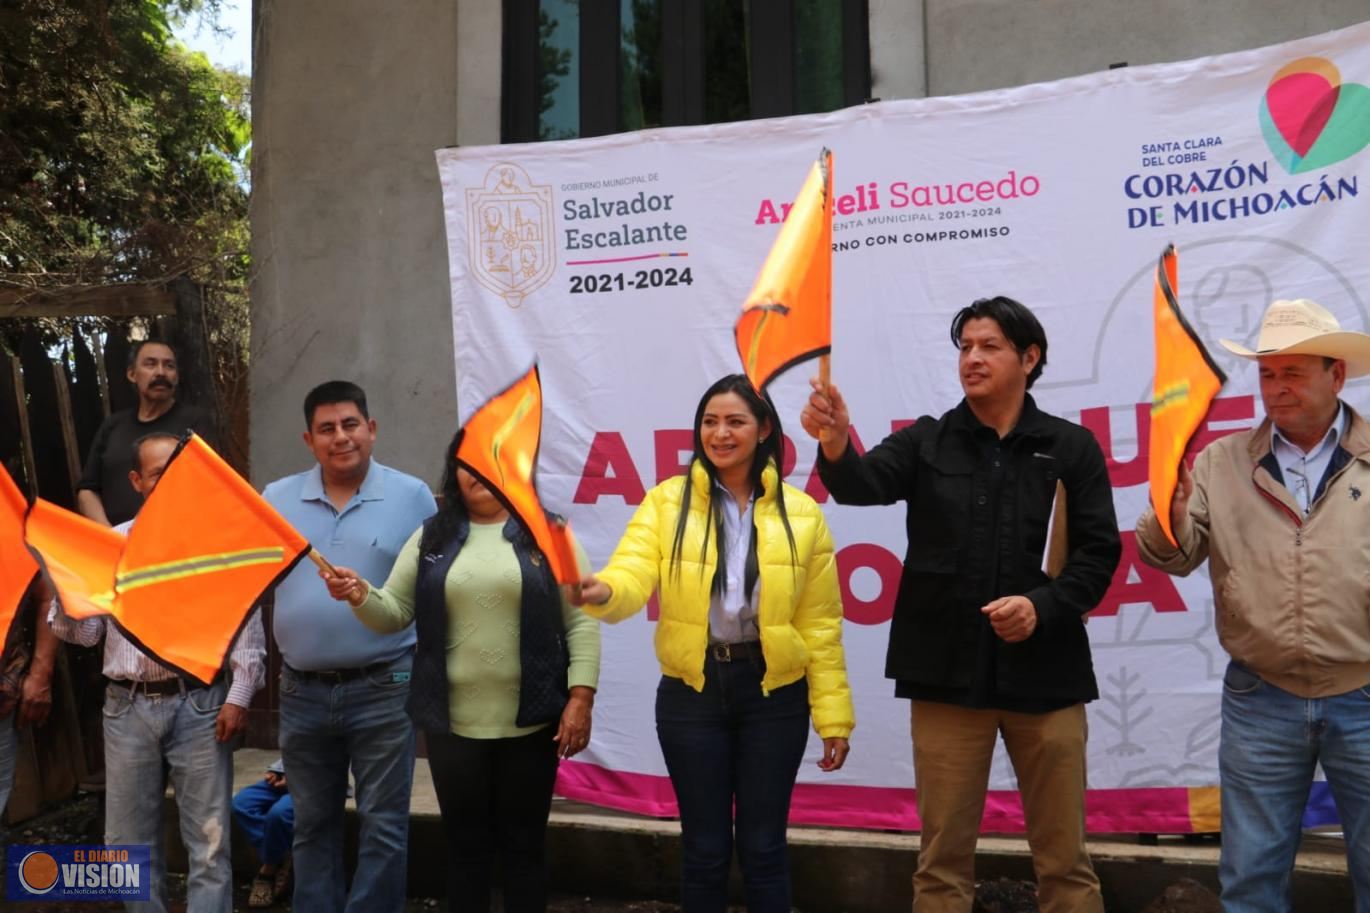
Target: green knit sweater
{"x": 483, "y": 591}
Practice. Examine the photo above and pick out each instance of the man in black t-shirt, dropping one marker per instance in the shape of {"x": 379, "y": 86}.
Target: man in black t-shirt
{"x": 104, "y": 493}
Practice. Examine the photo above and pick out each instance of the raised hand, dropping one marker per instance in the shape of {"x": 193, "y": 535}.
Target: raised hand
{"x": 1179, "y": 503}
{"x": 826, "y": 419}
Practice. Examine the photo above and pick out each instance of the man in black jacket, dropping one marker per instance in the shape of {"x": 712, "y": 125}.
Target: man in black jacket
{"x": 988, "y": 633}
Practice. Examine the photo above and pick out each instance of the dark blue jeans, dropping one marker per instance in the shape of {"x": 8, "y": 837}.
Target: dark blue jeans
{"x": 325, "y": 729}
{"x": 731, "y": 745}
{"x": 1272, "y": 741}
{"x": 267, "y": 816}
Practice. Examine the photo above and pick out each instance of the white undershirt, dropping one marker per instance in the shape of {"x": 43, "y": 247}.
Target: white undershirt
{"x": 732, "y": 617}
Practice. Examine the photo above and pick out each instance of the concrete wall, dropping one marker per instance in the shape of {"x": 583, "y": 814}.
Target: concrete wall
{"x": 350, "y": 99}
{"x": 973, "y": 45}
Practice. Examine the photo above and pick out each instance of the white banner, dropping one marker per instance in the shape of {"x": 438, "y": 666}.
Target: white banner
{"x": 620, "y": 264}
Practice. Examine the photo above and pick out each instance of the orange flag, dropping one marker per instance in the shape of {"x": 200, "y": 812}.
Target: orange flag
{"x": 788, "y": 316}
{"x": 202, "y": 551}
{"x": 499, "y": 445}
{"x": 1185, "y": 384}
{"x": 79, "y": 555}
{"x": 17, "y": 566}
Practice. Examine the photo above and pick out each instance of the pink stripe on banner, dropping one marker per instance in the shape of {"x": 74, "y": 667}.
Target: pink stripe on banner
{"x": 1162, "y": 810}
{"x": 624, "y": 259}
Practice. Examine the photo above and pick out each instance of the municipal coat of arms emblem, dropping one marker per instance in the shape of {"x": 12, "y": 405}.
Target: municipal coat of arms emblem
{"x": 509, "y": 227}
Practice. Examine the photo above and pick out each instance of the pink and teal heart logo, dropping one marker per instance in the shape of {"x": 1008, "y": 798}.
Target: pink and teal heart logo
{"x": 1311, "y": 119}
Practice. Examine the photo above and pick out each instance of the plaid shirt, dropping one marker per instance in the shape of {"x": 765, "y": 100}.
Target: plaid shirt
{"x": 125, "y": 662}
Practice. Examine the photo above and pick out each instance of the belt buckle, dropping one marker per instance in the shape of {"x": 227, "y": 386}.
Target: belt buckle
{"x": 329, "y": 676}
{"x": 723, "y": 652}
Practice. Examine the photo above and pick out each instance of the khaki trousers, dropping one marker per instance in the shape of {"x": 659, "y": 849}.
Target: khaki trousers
{"x": 952, "y": 750}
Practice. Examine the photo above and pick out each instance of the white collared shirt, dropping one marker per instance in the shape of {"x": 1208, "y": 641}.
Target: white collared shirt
{"x": 732, "y": 617}
{"x": 1304, "y": 471}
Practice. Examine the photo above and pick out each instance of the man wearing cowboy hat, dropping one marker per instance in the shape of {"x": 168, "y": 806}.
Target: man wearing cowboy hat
{"x": 1280, "y": 513}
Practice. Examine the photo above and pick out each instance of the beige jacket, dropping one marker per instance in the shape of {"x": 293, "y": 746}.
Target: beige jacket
{"x": 1291, "y": 593}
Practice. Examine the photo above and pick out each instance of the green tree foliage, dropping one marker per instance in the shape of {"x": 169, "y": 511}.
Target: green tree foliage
{"x": 122, "y": 154}
{"x": 640, "y": 66}
{"x": 554, "y": 65}
{"x": 123, "y": 158}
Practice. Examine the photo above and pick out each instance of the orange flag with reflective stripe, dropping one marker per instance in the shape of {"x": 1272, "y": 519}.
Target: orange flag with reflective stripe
{"x": 788, "y": 316}
{"x": 17, "y": 566}
{"x": 499, "y": 445}
{"x": 79, "y": 555}
{"x": 202, "y": 551}
{"x": 1186, "y": 382}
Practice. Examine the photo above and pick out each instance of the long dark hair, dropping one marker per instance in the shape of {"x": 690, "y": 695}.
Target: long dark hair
{"x": 451, "y": 515}
{"x": 772, "y": 447}
{"x": 444, "y": 525}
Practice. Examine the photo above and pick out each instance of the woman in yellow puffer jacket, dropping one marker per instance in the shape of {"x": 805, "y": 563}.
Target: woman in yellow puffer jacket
{"x": 749, "y": 639}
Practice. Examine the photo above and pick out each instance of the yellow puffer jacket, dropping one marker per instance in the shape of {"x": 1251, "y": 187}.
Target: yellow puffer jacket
{"x": 799, "y": 612}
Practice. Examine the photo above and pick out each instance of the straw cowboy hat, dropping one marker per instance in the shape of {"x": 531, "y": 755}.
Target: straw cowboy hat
{"x": 1305, "y": 327}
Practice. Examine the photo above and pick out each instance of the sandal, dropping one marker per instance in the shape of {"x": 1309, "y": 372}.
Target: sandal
{"x": 283, "y": 880}
{"x": 263, "y": 894}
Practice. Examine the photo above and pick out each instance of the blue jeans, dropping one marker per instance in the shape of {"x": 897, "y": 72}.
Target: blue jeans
{"x": 147, "y": 737}
{"x": 267, "y": 816}
{"x": 325, "y": 729}
{"x": 733, "y": 744}
{"x": 1271, "y": 742}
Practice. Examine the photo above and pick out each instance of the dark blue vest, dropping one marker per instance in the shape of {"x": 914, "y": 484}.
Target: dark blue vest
{"x": 543, "y": 655}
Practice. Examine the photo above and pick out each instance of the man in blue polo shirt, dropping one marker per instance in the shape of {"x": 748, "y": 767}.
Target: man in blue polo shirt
{"x": 343, "y": 687}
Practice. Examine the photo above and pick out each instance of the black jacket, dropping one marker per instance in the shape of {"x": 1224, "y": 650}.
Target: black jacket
{"x": 543, "y": 653}
{"x": 941, "y": 468}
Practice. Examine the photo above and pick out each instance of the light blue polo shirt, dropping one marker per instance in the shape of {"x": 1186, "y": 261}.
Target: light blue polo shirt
{"x": 1302, "y": 472}
{"x": 313, "y": 630}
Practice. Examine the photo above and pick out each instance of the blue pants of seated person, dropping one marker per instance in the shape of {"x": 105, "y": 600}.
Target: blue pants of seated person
{"x": 267, "y": 816}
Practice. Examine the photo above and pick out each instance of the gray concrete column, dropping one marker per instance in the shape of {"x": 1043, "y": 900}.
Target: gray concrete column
{"x": 899, "y": 53}
{"x": 479, "y": 45}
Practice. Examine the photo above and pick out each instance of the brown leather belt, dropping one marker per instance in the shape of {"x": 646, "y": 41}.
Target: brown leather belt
{"x": 731, "y": 653}
{"x": 163, "y": 688}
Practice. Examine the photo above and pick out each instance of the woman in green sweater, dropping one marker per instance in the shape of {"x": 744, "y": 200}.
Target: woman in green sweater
{"x": 503, "y": 684}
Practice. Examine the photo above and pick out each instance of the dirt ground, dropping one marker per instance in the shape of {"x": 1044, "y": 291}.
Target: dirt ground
{"x": 415, "y": 905}
{"x": 79, "y": 821}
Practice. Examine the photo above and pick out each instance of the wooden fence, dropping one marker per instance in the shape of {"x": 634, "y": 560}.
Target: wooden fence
{"x": 56, "y": 387}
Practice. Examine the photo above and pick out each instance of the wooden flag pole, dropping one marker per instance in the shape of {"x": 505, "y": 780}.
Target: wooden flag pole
{"x": 575, "y": 587}
{"x": 824, "y": 381}
{"x": 327, "y": 567}
{"x": 322, "y": 562}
